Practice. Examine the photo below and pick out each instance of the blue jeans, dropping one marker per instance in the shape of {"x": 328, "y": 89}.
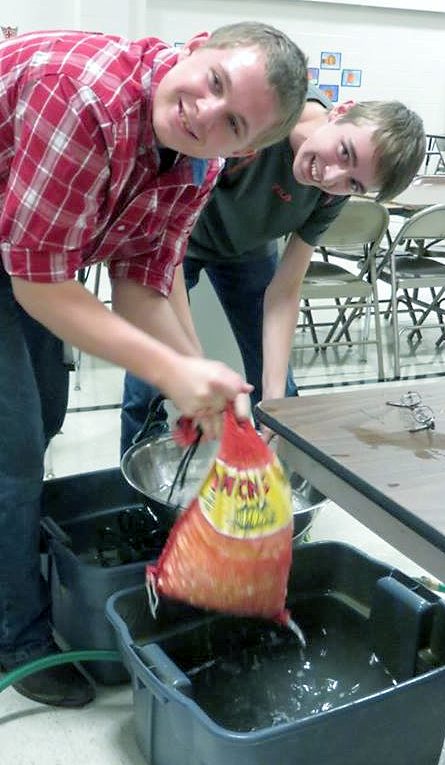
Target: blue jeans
{"x": 240, "y": 287}
{"x": 33, "y": 401}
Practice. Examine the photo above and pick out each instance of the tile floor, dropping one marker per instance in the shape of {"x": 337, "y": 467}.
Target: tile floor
{"x": 102, "y": 733}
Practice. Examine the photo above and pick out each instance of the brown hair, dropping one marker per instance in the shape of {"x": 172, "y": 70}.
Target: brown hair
{"x": 399, "y": 142}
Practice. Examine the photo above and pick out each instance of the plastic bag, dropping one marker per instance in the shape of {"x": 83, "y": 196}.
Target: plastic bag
{"x": 231, "y": 549}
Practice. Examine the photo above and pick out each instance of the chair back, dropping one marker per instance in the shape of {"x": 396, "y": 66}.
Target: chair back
{"x": 361, "y": 221}
{"x": 440, "y": 143}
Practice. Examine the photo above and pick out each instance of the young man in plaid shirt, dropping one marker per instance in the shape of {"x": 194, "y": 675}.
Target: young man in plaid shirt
{"x": 104, "y": 156}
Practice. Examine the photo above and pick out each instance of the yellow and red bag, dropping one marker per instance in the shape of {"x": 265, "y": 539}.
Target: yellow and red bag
{"x": 231, "y": 549}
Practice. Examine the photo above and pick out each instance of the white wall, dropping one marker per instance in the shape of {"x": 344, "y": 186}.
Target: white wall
{"x": 113, "y": 16}
{"x": 400, "y": 52}
{"x": 42, "y": 14}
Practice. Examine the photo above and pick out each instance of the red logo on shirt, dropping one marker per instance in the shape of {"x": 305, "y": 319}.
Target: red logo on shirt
{"x": 284, "y": 195}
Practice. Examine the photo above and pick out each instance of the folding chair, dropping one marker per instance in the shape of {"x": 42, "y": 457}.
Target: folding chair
{"x": 440, "y": 146}
{"x": 407, "y": 274}
{"x": 357, "y": 232}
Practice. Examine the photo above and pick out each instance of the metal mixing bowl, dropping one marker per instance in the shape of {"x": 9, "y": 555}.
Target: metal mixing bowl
{"x": 150, "y": 466}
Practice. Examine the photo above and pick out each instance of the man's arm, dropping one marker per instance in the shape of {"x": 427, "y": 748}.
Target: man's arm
{"x": 158, "y": 315}
{"x": 181, "y": 306}
{"x": 281, "y": 306}
{"x": 196, "y": 386}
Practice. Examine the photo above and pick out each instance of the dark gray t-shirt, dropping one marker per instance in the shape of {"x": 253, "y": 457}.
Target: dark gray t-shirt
{"x": 257, "y": 199}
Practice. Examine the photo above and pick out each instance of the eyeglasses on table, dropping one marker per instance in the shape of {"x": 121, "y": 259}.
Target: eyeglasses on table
{"x": 423, "y": 414}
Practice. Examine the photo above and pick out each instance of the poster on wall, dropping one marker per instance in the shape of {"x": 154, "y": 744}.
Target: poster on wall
{"x": 330, "y": 91}
{"x": 312, "y": 75}
{"x": 330, "y": 60}
{"x": 351, "y": 78}
{"x": 332, "y": 83}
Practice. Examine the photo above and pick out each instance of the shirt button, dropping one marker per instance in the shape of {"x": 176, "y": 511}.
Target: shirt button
{"x": 121, "y": 228}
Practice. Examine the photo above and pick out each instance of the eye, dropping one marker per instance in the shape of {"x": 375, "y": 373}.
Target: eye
{"x": 215, "y": 83}
{"x": 233, "y": 124}
{"x": 344, "y": 152}
{"x": 355, "y": 186}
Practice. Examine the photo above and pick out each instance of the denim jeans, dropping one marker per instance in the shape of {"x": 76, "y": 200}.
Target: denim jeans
{"x": 33, "y": 400}
{"x": 240, "y": 287}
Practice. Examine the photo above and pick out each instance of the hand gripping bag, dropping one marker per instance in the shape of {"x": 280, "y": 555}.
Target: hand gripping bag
{"x": 231, "y": 549}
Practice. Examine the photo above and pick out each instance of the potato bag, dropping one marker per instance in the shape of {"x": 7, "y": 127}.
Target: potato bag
{"x": 231, "y": 549}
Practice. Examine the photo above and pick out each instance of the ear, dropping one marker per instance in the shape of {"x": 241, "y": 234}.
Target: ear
{"x": 339, "y": 110}
{"x": 195, "y": 42}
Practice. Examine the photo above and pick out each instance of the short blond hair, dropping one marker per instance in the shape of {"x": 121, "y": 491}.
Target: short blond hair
{"x": 286, "y": 70}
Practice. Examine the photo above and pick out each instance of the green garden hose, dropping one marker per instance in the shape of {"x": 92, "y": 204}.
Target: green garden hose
{"x": 53, "y": 660}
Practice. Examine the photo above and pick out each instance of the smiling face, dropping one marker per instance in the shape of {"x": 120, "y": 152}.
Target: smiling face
{"x": 214, "y": 102}
{"x": 338, "y": 158}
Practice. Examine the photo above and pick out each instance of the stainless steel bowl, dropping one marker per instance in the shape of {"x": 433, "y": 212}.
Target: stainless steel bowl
{"x": 150, "y": 466}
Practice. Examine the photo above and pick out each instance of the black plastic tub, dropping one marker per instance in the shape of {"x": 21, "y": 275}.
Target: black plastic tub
{"x": 97, "y": 539}
{"x": 213, "y": 690}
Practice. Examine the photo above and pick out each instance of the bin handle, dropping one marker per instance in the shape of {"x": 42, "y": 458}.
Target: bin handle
{"x": 53, "y": 530}
{"x": 160, "y": 671}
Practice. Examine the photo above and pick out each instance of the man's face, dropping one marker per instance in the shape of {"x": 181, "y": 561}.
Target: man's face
{"x": 338, "y": 159}
{"x": 214, "y": 102}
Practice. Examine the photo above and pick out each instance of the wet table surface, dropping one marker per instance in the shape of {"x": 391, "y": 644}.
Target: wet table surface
{"x": 423, "y": 191}
{"x": 358, "y": 451}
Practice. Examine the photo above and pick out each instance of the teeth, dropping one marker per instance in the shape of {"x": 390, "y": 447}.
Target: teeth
{"x": 314, "y": 171}
{"x": 184, "y": 121}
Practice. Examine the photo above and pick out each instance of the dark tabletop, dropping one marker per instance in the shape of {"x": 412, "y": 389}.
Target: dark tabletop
{"x": 368, "y": 446}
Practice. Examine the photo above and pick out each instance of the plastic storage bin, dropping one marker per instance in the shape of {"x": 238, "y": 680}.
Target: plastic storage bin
{"x": 337, "y": 593}
{"x": 98, "y": 537}
{"x": 89, "y": 553}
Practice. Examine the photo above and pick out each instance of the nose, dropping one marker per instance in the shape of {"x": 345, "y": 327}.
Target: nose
{"x": 209, "y": 110}
{"x": 333, "y": 175}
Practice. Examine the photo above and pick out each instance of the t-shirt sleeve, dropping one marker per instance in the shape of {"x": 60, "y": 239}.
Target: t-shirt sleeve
{"x": 320, "y": 219}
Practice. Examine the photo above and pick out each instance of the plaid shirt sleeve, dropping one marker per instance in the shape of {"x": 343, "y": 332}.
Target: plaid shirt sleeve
{"x": 57, "y": 180}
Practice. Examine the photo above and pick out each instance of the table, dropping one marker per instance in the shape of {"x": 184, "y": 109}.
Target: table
{"x": 423, "y": 191}
{"x": 359, "y": 452}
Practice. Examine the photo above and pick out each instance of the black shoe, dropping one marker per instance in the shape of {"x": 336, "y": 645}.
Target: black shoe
{"x": 61, "y": 686}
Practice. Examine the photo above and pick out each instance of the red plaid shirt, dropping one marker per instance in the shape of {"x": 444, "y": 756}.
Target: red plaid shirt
{"x": 79, "y": 165}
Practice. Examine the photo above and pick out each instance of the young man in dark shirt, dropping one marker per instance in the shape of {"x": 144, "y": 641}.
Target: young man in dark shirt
{"x": 294, "y": 188}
